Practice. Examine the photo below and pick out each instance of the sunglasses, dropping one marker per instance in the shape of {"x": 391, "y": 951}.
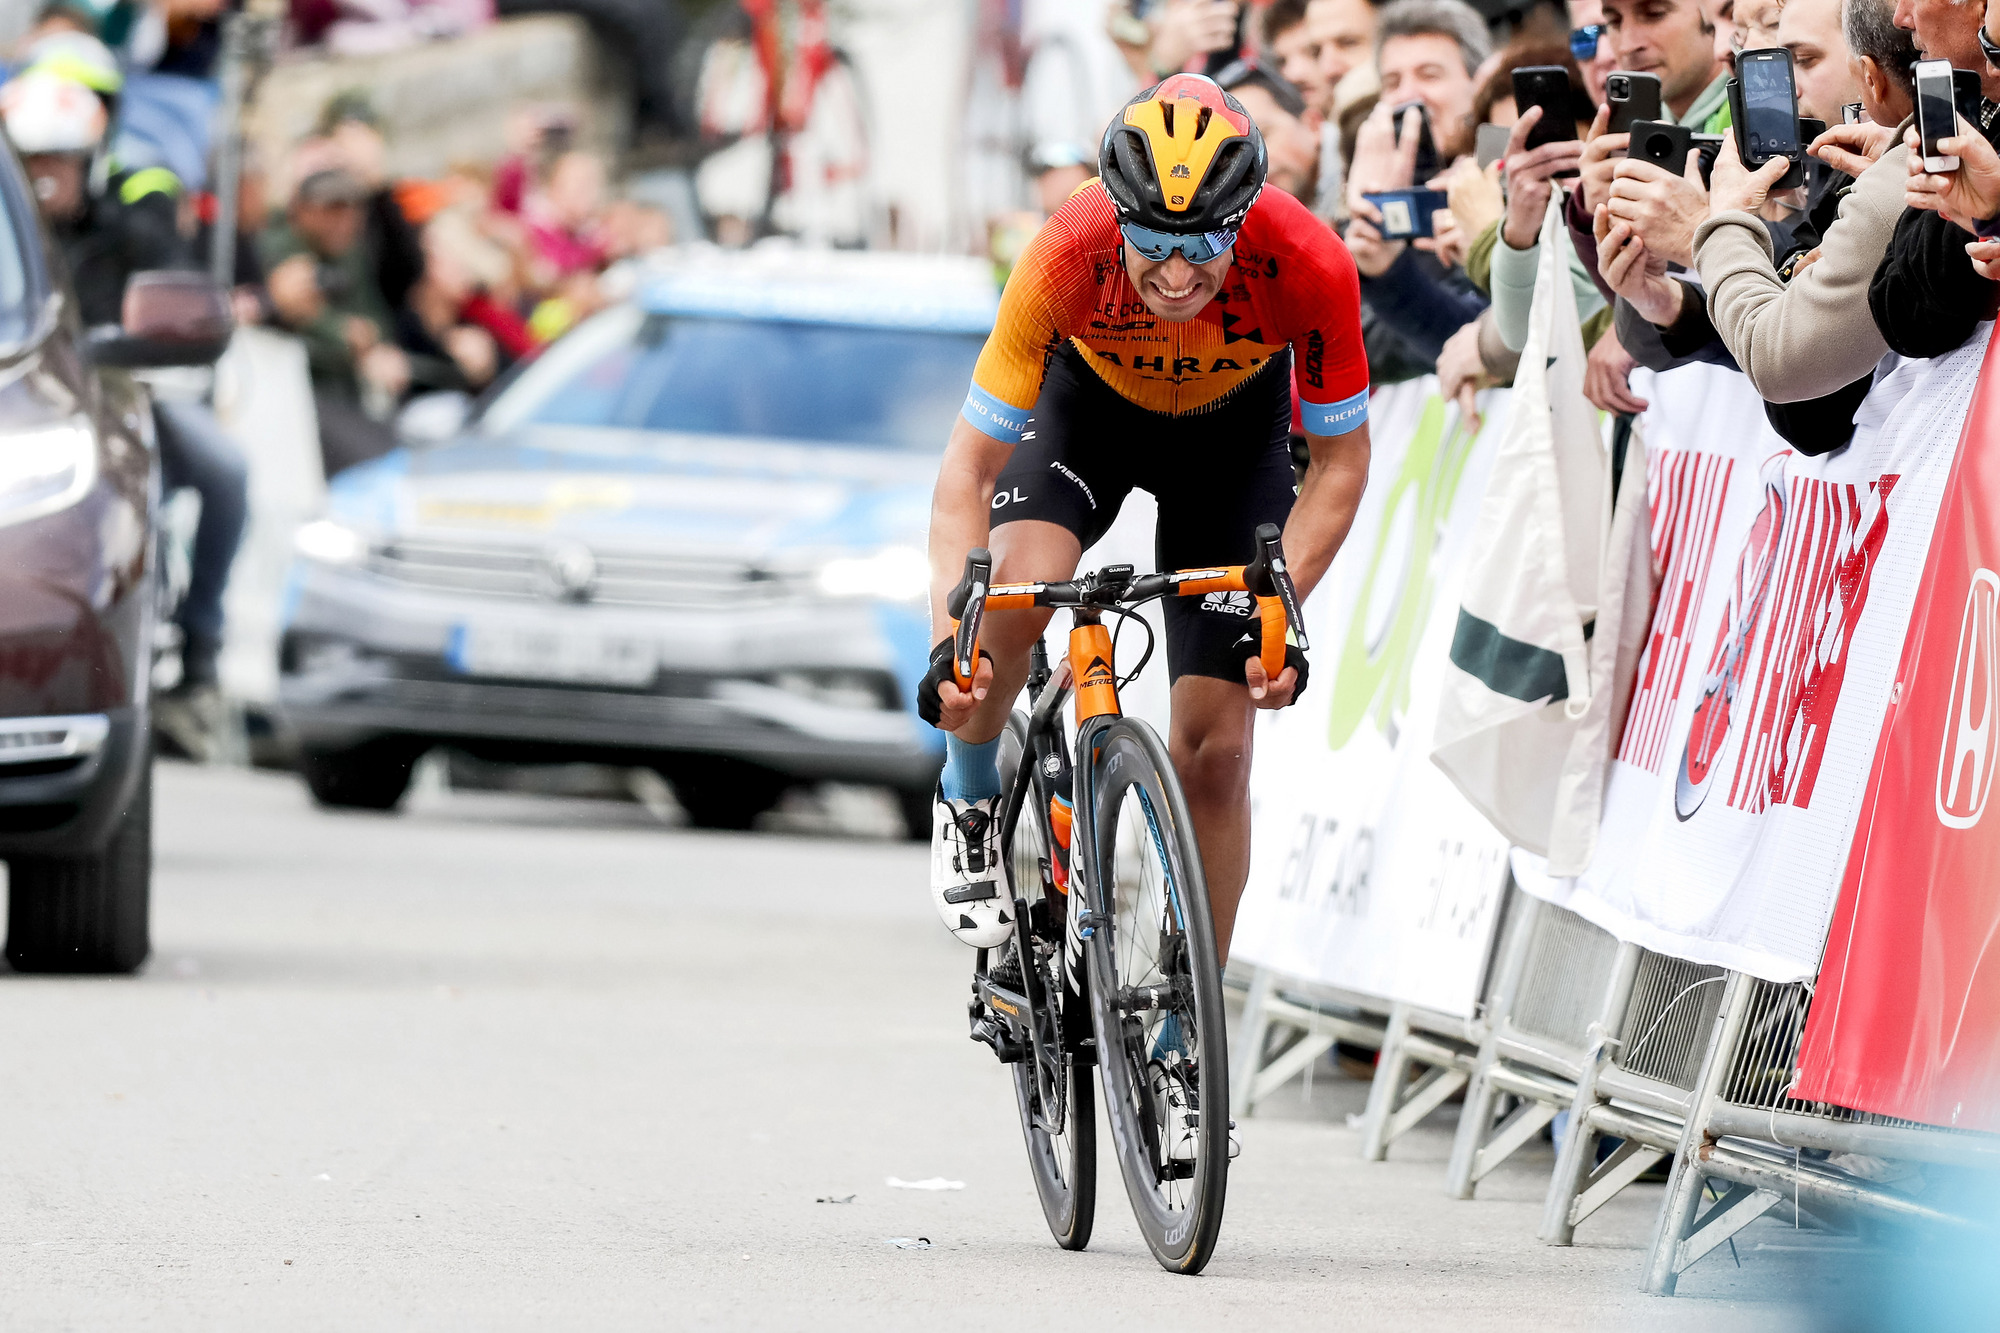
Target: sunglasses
{"x": 1199, "y": 247}
{"x": 1583, "y": 41}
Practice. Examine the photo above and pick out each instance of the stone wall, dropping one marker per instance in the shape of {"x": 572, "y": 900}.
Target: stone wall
{"x": 447, "y": 102}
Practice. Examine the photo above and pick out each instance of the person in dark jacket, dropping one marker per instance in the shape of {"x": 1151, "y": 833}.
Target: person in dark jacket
{"x": 106, "y": 234}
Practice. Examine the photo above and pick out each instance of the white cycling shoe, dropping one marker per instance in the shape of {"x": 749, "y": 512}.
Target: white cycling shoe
{"x": 968, "y": 886}
{"x": 1177, "y": 1108}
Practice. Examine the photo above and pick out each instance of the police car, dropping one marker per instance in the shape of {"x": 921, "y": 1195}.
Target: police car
{"x": 689, "y": 537}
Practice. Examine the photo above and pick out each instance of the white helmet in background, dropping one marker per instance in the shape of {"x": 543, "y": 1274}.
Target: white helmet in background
{"x": 51, "y": 113}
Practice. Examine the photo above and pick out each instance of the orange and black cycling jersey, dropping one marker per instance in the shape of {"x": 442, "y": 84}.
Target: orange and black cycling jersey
{"x": 1292, "y": 282}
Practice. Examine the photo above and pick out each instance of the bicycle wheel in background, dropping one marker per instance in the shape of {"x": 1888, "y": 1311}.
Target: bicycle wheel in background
{"x": 1156, "y": 998}
{"x": 1058, "y": 1112}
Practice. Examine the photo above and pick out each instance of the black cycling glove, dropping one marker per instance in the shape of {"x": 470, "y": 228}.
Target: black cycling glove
{"x": 1295, "y": 658}
{"x": 929, "y": 707}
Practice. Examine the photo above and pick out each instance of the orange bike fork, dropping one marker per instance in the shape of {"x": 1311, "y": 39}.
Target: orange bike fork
{"x": 1090, "y": 667}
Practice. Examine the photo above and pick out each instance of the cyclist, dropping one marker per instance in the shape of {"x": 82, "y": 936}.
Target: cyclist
{"x": 1146, "y": 338}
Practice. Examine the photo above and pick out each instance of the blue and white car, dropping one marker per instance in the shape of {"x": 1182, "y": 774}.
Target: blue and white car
{"x": 689, "y": 537}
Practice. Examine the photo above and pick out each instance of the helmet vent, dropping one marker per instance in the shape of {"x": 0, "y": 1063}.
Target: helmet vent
{"x": 1167, "y": 116}
{"x": 1200, "y": 122}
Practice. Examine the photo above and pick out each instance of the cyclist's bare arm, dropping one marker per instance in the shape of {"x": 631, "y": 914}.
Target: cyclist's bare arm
{"x": 1324, "y": 511}
{"x": 1320, "y": 519}
{"x": 961, "y": 518}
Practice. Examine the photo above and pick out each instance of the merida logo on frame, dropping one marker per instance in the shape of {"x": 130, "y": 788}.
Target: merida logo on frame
{"x": 1971, "y": 742}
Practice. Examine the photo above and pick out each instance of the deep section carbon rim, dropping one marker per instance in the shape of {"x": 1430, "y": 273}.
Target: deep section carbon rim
{"x": 1156, "y": 999}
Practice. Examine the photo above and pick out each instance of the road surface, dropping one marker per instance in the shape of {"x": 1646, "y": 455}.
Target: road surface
{"x": 510, "y": 1062}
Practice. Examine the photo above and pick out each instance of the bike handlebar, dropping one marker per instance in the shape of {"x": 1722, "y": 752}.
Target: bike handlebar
{"x": 1267, "y": 578}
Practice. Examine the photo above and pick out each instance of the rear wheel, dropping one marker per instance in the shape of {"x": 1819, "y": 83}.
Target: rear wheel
{"x": 370, "y": 776}
{"x": 1058, "y": 1112}
{"x": 87, "y": 913}
{"x": 1156, "y": 999}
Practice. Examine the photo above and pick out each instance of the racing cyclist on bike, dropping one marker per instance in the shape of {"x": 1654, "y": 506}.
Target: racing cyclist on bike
{"x": 1147, "y": 338}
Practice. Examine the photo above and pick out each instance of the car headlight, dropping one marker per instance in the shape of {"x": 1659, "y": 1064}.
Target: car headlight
{"x": 45, "y": 469}
{"x": 894, "y": 573}
{"x": 330, "y": 543}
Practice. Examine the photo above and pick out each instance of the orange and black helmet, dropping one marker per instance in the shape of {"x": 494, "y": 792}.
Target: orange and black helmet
{"x": 1183, "y": 157}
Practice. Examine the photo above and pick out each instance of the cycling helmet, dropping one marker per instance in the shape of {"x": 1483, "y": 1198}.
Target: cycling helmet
{"x": 48, "y": 113}
{"x": 1183, "y": 157}
{"x": 79, "y": 57}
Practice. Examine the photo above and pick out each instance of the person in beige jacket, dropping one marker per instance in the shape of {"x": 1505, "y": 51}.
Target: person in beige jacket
{"x": 1813, "y": 335}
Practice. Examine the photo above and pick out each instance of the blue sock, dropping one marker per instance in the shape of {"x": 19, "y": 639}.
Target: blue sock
{"x": 971, "y": 772}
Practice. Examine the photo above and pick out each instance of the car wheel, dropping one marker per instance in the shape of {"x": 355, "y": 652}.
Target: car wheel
{"x": 371, "y": 776}
{"x": 918, "y": 805}
{"x": 722, "y": 793}
{"x": 87, "y": 913}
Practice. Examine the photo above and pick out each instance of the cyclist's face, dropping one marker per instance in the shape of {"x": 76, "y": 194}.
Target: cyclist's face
{"x": 1174, "y": 289}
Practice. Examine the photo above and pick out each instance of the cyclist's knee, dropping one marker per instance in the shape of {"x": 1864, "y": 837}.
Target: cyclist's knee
{"x": 1214, "y": 765}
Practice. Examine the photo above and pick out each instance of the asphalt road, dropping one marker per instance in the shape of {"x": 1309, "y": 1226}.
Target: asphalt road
{"x": 508, "y": 1062}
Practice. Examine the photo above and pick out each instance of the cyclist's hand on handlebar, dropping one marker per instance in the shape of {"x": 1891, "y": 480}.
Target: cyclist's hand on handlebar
{"x": 939, "y": 700}
{"x": 1286, "y": 689}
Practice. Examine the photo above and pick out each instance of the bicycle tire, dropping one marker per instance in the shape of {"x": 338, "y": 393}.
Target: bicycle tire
{"x": 1152, "y": 931}
{"x": 1065, "y": 1166}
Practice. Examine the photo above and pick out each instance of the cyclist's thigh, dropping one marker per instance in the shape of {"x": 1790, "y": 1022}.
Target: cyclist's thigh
{"x": 1229, "y": 472}
{"x": 1073, "y": 465}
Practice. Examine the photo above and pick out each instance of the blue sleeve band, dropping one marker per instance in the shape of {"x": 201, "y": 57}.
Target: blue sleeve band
{"x": 1334, "y": 418}
{"x": 1003, "y": 421}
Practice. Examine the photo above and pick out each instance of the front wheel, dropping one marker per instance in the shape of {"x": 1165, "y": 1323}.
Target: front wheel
{"x": 1058, "y": 1112}
{"x": 1156, "y": 998}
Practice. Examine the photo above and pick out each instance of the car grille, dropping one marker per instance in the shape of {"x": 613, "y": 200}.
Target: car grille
{"x": 623, "y": 578}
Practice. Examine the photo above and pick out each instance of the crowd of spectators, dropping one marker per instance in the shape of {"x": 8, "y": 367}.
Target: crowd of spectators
{"x": 1803, "y": 289}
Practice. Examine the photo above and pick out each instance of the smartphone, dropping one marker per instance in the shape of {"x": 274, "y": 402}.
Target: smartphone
{"x": 1427, "y": 153}
{"x": 1632, "y": 97}
{"x": 1407, "y": 213}
{"x": 1851, "y": 113}
{"x": 1662, "y": 143}
{"x": 1489, "y": 144}
{"x": 1710, "y": 148}
{"x": 1545, "y": 86}
{"x": 1810, "y": 129}
{"x": 1765, "y": 112}
{"x": 1937, "y": 115}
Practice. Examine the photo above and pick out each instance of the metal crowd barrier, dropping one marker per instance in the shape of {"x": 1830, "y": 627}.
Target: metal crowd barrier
{"x": 1551, "y": 991}
{"x": 1287, "y": 1025}
{"x": 1428, "y": 1056}
{"x": 1638, "y": 1086}
{"x": 1746, "y": 1134}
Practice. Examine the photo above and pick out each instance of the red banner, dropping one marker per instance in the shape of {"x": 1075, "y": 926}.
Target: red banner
{"x": 1906, "y": 1017}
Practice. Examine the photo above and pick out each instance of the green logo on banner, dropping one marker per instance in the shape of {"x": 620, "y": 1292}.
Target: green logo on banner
{"x": 1373, "y": 678}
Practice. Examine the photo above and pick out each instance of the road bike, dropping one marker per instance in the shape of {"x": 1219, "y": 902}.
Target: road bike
{"x": 1113, "y": 959}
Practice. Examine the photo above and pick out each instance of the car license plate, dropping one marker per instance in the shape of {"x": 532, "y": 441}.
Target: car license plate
{"x": 537, "y": 654}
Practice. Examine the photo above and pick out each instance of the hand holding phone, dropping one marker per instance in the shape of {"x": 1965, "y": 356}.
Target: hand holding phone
{"x": 1970, "y": 193}
{"x": 1632, "y": 97}
{"x": 1937, "y": 114}
{"x": 1764, "y": 103}
{"x": 1406, "y": 214}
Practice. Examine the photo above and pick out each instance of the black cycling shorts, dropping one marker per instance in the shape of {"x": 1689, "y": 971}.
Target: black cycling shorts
{"x": 1217, "y": 475}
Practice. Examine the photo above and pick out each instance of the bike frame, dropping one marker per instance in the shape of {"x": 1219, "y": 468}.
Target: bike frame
{"x": 1049, "y": 767}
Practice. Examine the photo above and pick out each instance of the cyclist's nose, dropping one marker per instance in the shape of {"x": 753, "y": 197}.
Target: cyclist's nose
{"x": 1177, "y": 272}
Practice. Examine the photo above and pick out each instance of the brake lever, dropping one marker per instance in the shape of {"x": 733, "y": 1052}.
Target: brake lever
{"x": 967, "y": 608}
{"x": 1268, "y": 576}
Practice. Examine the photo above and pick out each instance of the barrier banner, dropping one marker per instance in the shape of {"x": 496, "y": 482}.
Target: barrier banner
{"x": 1905, "y": 1020}
{"x": 1784, "y": 587}
{"x": 1368, "y": 871}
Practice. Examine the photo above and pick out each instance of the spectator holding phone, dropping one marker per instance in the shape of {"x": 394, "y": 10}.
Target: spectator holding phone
{"x": 1927, "y": 297}
{"x": 1673, "y": 40}
{"x": 1426, "y": 52}
{"x": 1531, "y": 181}
{"x": 1792, "y": 318}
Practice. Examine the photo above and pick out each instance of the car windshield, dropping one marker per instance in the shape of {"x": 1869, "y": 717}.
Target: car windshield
{"x": 895, "y": 388}
{"x": 17, "y": 284}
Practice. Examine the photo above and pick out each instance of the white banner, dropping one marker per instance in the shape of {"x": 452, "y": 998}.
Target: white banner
{"x": 1368, "y": 870}
{"x": 1785, "y": 585}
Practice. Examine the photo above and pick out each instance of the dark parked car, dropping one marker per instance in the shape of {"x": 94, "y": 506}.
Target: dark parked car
{"x": 77, "y": 595}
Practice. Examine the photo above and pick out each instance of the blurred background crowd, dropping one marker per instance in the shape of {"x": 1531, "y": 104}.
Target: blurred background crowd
{"x": 426, "y": 193}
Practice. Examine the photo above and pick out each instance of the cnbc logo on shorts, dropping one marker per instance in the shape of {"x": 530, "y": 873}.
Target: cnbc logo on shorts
{"x": 1971, "y": 741}
{"x": 1229, "y": 603}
